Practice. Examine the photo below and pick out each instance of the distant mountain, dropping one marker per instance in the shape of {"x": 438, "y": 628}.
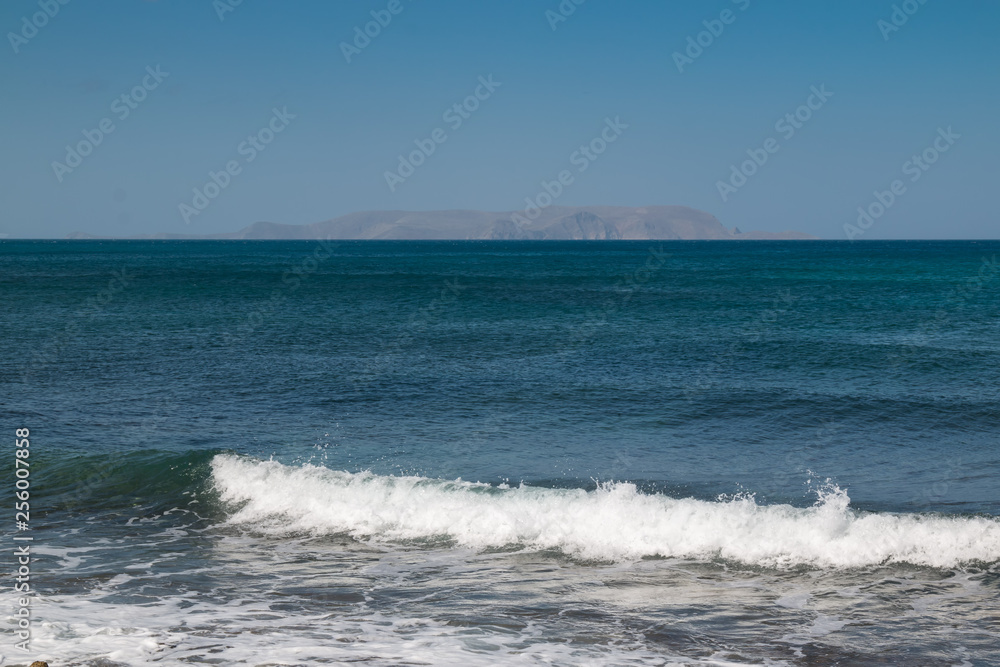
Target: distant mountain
{"x": 553, "y": 223}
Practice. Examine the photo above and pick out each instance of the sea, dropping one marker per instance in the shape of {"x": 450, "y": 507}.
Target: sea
{"x": 501, "y": 453}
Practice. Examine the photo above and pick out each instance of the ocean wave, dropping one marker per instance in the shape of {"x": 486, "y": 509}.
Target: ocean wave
{"x": 121, "y": 479}
{"x": 615, "y": 522}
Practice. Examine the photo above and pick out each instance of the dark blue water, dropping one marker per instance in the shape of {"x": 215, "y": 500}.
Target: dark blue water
{"x": 251, "y": 448}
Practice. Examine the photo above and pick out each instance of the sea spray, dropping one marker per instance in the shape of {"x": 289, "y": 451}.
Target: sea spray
{"x": 615, "y": 522}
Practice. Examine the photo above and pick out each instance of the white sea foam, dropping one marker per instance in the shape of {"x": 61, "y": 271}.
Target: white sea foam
{"x": 175, "y": 632}
{"x": 614, "y": 522}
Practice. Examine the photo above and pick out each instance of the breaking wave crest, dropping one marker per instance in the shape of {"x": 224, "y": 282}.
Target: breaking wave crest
{"x": 614, "y": 522}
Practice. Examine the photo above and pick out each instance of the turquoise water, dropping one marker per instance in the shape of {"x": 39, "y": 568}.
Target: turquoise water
{"x": 524, "y": 452}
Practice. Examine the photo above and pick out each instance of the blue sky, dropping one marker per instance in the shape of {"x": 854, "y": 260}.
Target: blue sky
{"x": 891, "y": 95}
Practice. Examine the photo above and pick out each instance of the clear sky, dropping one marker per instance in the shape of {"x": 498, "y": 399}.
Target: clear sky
{"x": 888, "y": 92}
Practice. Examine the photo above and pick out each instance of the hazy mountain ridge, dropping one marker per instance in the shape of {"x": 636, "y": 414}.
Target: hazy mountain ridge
{"x": 553, "y": 223}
